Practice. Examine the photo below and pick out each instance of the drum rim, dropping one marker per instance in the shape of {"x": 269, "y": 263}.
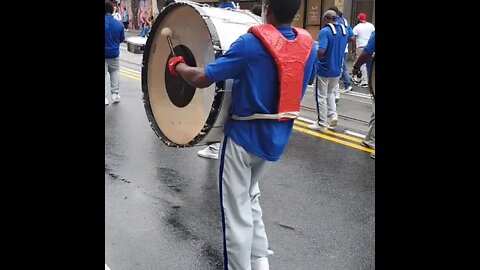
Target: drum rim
{"x": 370, "y": 77}
{"x": 219, "y": 86}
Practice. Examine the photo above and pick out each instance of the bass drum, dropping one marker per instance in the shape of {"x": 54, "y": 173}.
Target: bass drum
{"x": 371, "y": 78}
{"x": 182, "y": 115}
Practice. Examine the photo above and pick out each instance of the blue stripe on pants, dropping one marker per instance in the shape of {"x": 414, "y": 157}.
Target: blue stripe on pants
{"x": 220, "y": 188}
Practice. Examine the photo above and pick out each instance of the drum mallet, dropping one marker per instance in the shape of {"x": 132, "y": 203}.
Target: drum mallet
{"x": 168, "y": 32}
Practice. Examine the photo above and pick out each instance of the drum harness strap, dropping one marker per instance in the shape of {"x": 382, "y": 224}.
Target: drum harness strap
{"x": 334, "y": 31}
{"x": 283, "y": 115}
{"x": 290, "y": 75}
{"x": 277, "y": 116}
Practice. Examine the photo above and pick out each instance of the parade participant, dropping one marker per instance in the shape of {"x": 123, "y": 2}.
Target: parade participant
{"x": 365, "y": 57}
{"x": 114, "y": 35}
{"x": 362, "y": 31}
{"x": 347, "y": 84}
{"x": 332, "y": 40}
{"x": 269, "y": 84}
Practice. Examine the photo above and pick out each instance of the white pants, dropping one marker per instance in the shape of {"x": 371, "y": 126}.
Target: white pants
{"x": 370, "y": 137}
{"x": 325, "y": 97}
{"x": 243, "y": 230}
{"x": 112, "y": 66}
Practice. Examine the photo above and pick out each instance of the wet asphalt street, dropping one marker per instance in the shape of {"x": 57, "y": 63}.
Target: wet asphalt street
{"x": 162, "y": 206}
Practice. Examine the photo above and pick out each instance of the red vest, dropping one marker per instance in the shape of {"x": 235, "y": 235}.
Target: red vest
{"x": 290, "y": 58}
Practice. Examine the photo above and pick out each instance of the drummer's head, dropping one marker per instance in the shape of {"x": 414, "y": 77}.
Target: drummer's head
{"x": 278, "y": 12}
{"x": 108, "y": 7}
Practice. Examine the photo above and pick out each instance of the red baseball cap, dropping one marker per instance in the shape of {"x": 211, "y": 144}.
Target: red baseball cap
{"x": 362, "y": 17}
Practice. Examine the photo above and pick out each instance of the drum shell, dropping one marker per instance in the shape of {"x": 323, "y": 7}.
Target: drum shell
{"x": 208, "y": 32}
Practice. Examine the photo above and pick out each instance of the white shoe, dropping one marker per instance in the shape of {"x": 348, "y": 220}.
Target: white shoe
{"x": 316, "y": 126}
{"x": 116, "y": 98}
{"x": 333, "y": 123}
{"x": 106, "y": 102}
{"x": 348, "y": 89}
{"x": 363, "y": 84}
{"x": 260, "y": 264}
{"x": 209, "y": 152}
{"x": 355, "y": 80}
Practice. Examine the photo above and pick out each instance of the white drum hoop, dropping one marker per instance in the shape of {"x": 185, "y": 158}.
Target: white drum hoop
{"x": 212, "y": 130}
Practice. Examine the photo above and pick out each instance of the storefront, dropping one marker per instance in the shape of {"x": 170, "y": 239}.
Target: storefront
{"x": 309, "y": 15}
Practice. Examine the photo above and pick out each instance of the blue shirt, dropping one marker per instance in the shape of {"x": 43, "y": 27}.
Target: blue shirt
{"x": 114, "y": 35}
{"x": 227, "y": 5}
{"x": 370, "y": 48}
{"x": 334, "y": 46}
{"x": 256, "y": 90}
{"x": 341, "y": 20}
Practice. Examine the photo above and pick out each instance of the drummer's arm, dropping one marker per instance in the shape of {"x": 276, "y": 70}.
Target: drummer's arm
{"x": 194, "y": 76}
{"x": 361, "y": 59}
{"x": 228, "y": 66}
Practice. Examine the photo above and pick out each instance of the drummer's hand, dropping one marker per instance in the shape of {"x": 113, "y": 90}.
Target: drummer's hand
{"x": 173, "y": 62}
{"x": 355, "y": 71}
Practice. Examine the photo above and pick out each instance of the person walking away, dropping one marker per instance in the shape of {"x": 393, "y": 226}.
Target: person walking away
{"x": 114, "y": 35}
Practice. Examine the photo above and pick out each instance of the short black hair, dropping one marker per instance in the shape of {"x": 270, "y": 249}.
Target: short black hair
{"x": 284, "y": 10}
{"x": 108, "y": 7}
{"x": 335, "y": 8}
{"x": 257, "y": 10}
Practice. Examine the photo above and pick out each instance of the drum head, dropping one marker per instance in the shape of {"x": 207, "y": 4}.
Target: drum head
{"x": 371, "y": 78}
{"x": 177, "y": 111}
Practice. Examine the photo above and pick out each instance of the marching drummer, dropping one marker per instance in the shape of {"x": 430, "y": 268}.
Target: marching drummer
{"x": 265, "y": 100}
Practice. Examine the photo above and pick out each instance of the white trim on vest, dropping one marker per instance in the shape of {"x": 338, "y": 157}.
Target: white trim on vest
{"x": 344, "y": 31}
{"x": 334, "y": 31}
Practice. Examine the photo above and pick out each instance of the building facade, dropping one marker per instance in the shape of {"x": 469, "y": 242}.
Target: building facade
{"x": 309, "y": 15}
